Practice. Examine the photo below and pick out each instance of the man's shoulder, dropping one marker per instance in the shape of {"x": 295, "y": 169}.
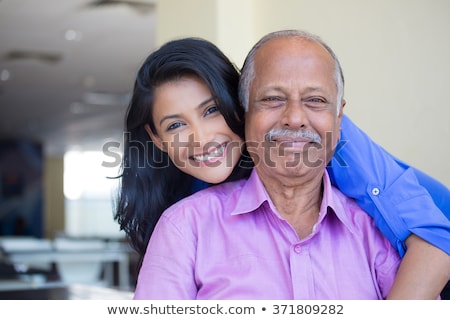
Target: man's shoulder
{"x": 205, "y": 198}
{"x": 349, "y": 211}
{"x": 343, "y": 199}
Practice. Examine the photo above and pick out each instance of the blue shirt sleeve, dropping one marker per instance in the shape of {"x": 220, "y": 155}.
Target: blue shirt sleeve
{"x": 401, "y": 199}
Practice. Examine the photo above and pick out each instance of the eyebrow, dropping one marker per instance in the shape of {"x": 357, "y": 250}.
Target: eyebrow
{"x": 173, "y": 116}
{"x": 314, "y": 89}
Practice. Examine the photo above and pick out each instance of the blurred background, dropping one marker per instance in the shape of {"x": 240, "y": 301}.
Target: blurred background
{"x": 67, "y": 69}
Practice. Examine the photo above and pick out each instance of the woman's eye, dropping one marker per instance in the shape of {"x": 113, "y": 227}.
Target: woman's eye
{"x": 174, "y": 126}
{"x": 211, "y": 109}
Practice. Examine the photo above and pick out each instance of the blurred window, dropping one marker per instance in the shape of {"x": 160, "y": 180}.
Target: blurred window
{"x": 89, "y": 195}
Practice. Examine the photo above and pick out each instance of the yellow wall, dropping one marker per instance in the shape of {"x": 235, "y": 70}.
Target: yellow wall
{"x": 54, "y": 196}
{"x": 227, "y": 23}
{"x": 395, "y": 57}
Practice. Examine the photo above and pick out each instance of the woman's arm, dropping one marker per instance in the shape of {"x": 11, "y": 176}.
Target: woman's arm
{"x": 423, "y": 273}
{"x": 389, "y": 191}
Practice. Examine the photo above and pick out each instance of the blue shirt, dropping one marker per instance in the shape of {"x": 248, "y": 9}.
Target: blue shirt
{"x": 401, "y": 199}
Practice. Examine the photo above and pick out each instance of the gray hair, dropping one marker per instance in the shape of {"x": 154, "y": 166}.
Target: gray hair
{"x": 248, "y": 69}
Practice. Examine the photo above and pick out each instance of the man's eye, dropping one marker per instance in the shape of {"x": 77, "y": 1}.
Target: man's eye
{"x": 272, "y": 101}
{"x": 174, "y": 126}
{"x": 211, "y": 109}
{"x": 316, "y": 100}
{"x": 269, "y": 99}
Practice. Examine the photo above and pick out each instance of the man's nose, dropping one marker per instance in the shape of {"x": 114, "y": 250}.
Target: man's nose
{"x": 294, "y": 115}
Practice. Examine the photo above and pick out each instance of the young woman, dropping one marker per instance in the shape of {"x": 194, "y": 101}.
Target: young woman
{"x": 185, "y": 130}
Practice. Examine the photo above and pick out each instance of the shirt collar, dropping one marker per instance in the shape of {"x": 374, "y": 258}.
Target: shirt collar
{"x": 332, "y": 203}
{"x": 254, "y": 194}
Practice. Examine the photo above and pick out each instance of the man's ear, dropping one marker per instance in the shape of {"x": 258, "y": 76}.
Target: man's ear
{"x": 341, "y": 109}
{"x": 155, "y": 138}
{"x": 340, "y": 114}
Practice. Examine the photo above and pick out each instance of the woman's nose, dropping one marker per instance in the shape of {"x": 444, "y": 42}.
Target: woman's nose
{"x": 200, "y": 137}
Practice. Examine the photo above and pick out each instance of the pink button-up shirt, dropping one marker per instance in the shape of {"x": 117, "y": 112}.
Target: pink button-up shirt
{"x": 230, "y": 242}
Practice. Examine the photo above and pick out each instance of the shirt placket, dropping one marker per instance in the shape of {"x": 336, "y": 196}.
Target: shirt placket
{"x": 301, "y": 271}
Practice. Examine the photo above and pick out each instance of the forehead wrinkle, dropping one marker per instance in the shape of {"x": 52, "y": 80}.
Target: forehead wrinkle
{"x": 285, "y": 88}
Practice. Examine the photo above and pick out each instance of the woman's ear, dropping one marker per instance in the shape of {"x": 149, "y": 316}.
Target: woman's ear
{"x": 155, "y": 138}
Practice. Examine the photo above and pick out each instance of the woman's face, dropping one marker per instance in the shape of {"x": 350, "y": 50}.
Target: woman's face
{"x": 193, "y": 132}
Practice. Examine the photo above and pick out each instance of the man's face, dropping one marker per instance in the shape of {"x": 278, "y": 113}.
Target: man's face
{"x": 294, "y": 90}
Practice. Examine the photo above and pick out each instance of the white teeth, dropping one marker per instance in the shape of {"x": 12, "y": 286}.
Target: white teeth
{"x": 218, "y": 152}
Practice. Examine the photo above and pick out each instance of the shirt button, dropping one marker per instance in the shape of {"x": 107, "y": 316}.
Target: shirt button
{"x": 297, "y": 248}
{"x": 375, "y": 191}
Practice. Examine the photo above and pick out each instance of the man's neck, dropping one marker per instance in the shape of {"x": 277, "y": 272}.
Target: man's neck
{"x": 297, "y": 199}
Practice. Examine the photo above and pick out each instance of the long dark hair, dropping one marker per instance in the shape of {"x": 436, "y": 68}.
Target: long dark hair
{"x": 149, "y": 181}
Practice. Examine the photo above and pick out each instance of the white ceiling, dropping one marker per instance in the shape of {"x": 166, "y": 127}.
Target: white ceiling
{"x": 67, "y": 68}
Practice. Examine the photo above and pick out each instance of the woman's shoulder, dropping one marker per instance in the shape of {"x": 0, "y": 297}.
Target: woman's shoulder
{"x": 211, "y": 198}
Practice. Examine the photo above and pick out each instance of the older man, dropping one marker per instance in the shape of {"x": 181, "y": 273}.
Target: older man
{"x": 294, "y": 112}
{"x": 285, "y": 233}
